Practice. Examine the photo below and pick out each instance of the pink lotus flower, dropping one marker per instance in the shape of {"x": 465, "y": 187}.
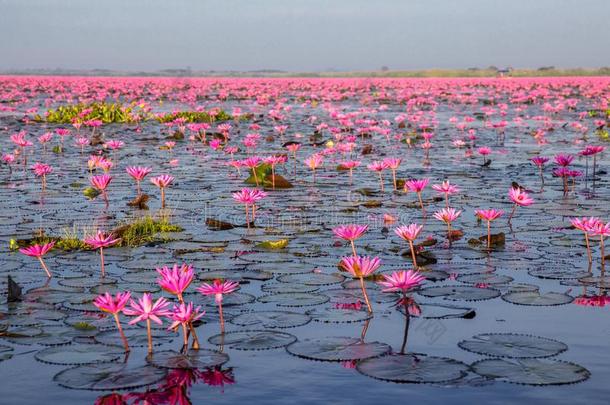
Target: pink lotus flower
{"x": 350, "y": 233}
{"x": 217, "y": 289}
{"x": 145, "y": 310}
{"x": 446, "y": 189}
{"x": 138, "y": 173}
{"x": 586, "y": 225}
{"x": 314, "y": 162}
{"x": 520, "y": 197}
{"x": 176, "y": 279}
{"x": 42, "y": 170}
{"x": 378, "y": 167}
{"x": 417, "y": 186}
{"x": 114, "y": 305}
{"x": 38, "y": 251}
{"x": 563, "y": 159}
{"x": 184, "y": 314}
{"x": 489, "y": 215}
{"x": 360, "y": 267}
{"x": 484, "y": 151}
{"x": 101, "y": 241}
{"x": 409, "y": 232}
{"x": 402, "y": 281}
{"x": 447, "y": 215}
{"x": 101, "y": 183}
{"x": 107, "y": 303}
{"x": 162, "y": 182}
{"x": 539, "y": 160}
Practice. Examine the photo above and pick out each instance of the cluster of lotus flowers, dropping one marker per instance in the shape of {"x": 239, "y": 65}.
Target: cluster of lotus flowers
{"x": 174, "y": 280}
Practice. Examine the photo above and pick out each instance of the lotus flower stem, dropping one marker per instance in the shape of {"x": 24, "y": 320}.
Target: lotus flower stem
{"x": 255, "y": 176}
{"x": 510, "y": 217}
{"x": 488, "y": 235}
{"x": 123, "y": 338}
{"x": 588, "y": 248}
{"x": 222, "y": 319}
{"x": 394, "y": 179}
{"x": 601, "y": 245}
{"x": 44, "y": 266}
{"x": 162, "y": 197}
{"x": 413, "y": 254}
{"x": 353, "y": 248}
{"x": 366, "y": 296}
{"x": 149, "y": 335}
{"x": 407, "y": 320}
{"x": 273, "y": 176}
{"x": 186, "y": 339}
{"x": 421, "y": 204}
{"x": 102, "y": 262}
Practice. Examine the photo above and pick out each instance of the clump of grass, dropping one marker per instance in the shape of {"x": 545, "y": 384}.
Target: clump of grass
{"x": 194, "y": 116}
{"x": 106, "y": 112}
{"x": 136, "y": 233}
{"x": 144, "y": 230}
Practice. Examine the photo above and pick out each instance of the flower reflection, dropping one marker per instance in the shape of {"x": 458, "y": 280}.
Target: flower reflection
{"x": 174, "y": 389}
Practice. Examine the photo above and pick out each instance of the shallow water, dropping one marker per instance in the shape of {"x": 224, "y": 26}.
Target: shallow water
{"x": 539, "y": 241}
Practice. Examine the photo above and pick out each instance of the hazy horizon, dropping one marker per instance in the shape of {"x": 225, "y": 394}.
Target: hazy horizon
{"x": 302, "y": 35}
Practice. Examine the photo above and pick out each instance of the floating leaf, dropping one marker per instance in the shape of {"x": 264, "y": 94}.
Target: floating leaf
{"x": 192, "y": 359}
{"x": 271, "y": 319}
{"x": 531, "y": 371}
{"x": 537, "y": 299}
{"x": 273, "y": 244}
{"x": 253, "y": 339}
{"x": 413, "y": 368}
{"x": 79, "y": 354}
{"x": 331, "y": 315}
{"x": 456, "y": 292}
{"x": 294, "y": 299}
{"x": 512, "y": 345}
{"x": 109, "y": 377}
{"x": 337, "y": 349}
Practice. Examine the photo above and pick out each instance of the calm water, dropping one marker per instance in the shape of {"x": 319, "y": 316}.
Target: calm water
{"x": 541, "y": 254}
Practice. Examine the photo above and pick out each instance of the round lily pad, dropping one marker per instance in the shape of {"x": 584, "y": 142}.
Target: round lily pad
{"x": 253, "y": 339}
{"x": 79, "y": 354}
{"x": 484, "y": 278}
{"x": 331, "y": 315}
{"x": 274, "y": 288}
{"x": 51, "y": 336}
{"x": 413, "y": 368}
{"x": 136, "y": 337}
{"x": 536, "y": 299}
{"x": 531, "y": 371}
{"x": 337, "y": 349}
{"x": 109, "y": 377}
{"x": 316, "y": 279}
{"x": 271, "y": 319}
{"x": 443, "y": 311}
{"x": 512, "y": 345}
{"x": 192, "y": 359}
{"x": 234, "y": 275}
{"x": 558, "y": 273}
{"x": 294, "y": 299}
{"x": 458, "y": 292}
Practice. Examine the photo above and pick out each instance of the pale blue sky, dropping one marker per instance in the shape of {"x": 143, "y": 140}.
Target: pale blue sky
{"x": 302, "y": 35}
